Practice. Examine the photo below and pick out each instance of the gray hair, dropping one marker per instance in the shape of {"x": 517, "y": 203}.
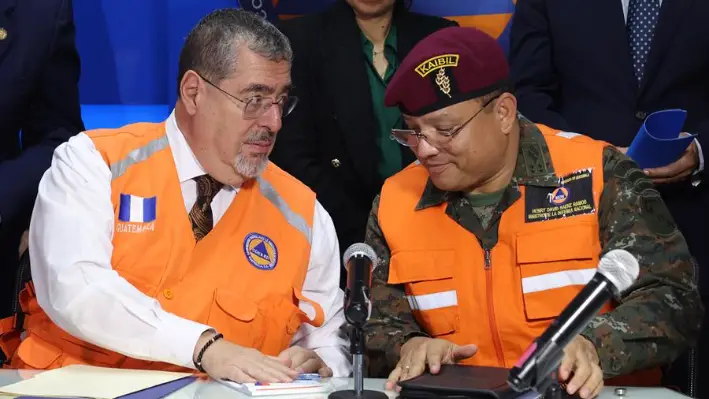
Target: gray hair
{"x": 212, "y": 46}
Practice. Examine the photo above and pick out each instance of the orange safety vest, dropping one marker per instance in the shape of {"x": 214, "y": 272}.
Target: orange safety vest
{"x": 502, "y": 298}
{"x": 244, "y": 278}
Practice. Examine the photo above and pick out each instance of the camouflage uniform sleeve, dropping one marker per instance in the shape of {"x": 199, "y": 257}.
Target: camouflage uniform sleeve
{"x": 391, "y": 322}
{"x": 659, "y": 317}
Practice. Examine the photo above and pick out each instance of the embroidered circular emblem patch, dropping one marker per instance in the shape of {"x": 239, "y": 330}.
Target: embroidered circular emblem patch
{"x": 559, "y": 196}
{"x": 260, "y": 251}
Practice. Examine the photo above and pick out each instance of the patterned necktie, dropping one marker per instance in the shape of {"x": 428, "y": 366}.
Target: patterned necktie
{"x": 201, "y": 213}
{"x": 642, "y": 18}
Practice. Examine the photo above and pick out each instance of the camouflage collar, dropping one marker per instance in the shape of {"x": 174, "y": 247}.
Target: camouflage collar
{"x": 534, "y": 167}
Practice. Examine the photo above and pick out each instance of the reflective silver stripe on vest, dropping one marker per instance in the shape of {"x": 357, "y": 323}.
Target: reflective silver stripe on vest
{"x": 138, "y": 155}
{"x": 293, "y": 218}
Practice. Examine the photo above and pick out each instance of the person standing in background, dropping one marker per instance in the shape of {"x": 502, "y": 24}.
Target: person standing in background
{"x": 647, "y": 55}
{"x": 39, "y": 109}
{"x": 338, "y": 139}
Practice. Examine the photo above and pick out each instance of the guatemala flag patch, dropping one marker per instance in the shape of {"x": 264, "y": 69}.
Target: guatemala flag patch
{"x": 137, "y": 209}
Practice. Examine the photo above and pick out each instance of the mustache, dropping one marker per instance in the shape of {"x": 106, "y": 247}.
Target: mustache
{"x": 260, "y": 136}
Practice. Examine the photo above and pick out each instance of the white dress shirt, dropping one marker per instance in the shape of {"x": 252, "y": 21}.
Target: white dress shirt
{"x": 700, "y": 167}
{"x": 71, "y": 236}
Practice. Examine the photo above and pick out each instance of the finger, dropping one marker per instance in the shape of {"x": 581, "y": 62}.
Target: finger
{"x": 405, "y": 364}
{"x": 286, "y": 354}
{"x": 282, "y": 360}
{"x": 393, "y": 377}
{"x": 597, "y": 389}
{"x": 434, "y": 361}
{"x": 592, "y": 382}
{"x": 567, "y": 364}
{"x": 662, "y": 172}
{"x": 311, "y": 365}
{"x": 582, "y": 371}
{"x": 325, "y": 372}
{"x": 259, "y": 374}
{"x": 418, "y": 363}
{"x": 680, "y": 177}
{"x": 464, "y": 352}
{"x": 594, "y": 379}
{"x": 278, "y": 365}
{"x": 240, "y": 376}
{"x": 681, "y": 165}
{"x": 275, "y": 374}
{"x": 300, "y": 358}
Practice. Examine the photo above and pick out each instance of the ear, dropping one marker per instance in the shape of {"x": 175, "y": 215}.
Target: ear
{"x": 190, "y": 91}
{"x": 506, "y": 112}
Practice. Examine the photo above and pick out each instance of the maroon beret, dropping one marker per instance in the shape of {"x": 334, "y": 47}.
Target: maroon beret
{"x": 447, "y": 67}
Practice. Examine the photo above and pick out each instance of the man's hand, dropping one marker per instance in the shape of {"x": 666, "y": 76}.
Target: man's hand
{"x": 24, "y": 242}
{"x": 304, "y": 361}
{"x": 224, "y": 360}
{"x": 421, "y": 351}
{"x": 678, "y": 170}
{"x": 581, "y": 359}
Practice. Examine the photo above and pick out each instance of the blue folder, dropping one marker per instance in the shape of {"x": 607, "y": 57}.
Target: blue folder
{"x": 162, "y": 390}
{"x": 658, "y": 142}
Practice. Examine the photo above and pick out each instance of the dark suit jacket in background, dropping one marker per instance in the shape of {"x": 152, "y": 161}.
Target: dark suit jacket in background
{"x": 329, "y": 141}
{"x": 572, "y": 68}
{"x": 39, "y": 75}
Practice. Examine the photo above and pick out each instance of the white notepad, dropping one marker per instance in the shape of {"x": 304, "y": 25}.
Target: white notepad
{"x": 90, "y": 382}
{"x": 297, "y": 387}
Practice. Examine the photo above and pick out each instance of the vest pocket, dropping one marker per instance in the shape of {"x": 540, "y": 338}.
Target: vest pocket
{"x": 554, "y": 266}
{"x": 268, "y": 325}
{"x": 235, "y": 315}
{"x": 427, "y": 277}
{"x": 39, "y": 354}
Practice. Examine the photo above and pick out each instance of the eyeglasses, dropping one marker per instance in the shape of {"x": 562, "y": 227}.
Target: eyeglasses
{"x": 439, "y": 138}
{"x": 256, "y": 106}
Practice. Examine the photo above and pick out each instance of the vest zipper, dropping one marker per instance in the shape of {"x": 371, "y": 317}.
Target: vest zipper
{"x": 491, "y": 308}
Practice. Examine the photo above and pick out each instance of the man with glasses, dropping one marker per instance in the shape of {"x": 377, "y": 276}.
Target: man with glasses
{"x": 179, "y": 245}
{"x": 501, "y": 223}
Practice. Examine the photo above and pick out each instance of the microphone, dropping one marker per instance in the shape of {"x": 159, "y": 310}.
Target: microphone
{"x": 617, "y": 271}
{"x": 360, "y": 260}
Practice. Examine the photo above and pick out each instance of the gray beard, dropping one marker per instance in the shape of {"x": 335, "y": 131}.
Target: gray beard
{"x": 250, "y": 168}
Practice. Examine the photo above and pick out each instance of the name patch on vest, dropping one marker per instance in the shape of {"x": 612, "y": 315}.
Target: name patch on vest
{"x": 573, "y": 197}
{"x": 134, "y": 228}
{"x": 136, "y": 214}
{"x": 260, "y": 251}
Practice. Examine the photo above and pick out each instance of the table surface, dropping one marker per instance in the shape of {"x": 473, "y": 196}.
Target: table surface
{"x": 214, "y": 390}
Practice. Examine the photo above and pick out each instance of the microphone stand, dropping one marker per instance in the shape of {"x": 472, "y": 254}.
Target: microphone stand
{"x": 357, "y": 350}
{"x": 545, "y": 381}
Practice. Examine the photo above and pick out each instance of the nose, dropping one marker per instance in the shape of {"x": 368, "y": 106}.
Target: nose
{"x": 424, "y": 150}
{"x": 271, "y": 119}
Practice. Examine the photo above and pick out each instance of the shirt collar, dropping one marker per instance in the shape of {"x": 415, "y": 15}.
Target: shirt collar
{"x": 534, "y": 167}
{"x": 187, "y": 165}
{"x": 389, "y": 42}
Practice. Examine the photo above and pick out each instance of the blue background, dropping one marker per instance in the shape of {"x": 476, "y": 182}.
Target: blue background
{"x": 129, "y": 48}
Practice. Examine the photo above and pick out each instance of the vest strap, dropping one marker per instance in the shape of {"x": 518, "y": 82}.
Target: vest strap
{"x": 294, "y": 219}
{"x": 140, "y": 154}
{"x": 319, "y": 318}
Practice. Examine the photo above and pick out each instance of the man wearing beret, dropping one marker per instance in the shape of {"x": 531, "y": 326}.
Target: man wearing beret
{"x": 501, "y": 222}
